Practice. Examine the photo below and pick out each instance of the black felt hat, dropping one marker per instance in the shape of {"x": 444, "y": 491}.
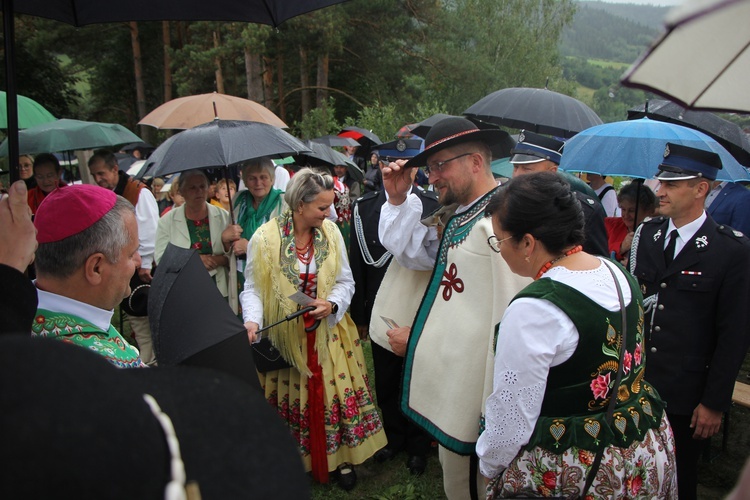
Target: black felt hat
{"x": 72, "y": 425}
{"x": 455, "y": 130}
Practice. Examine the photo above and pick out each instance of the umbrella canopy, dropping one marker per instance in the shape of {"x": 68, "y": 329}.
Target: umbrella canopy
{"x": 538, "y": 110}
{"x": 702, "y": 60}
{"x": 70, "y": 135}
{"x": 188, "y": 112}
{"x": 363, "y": 136}
{"x": 194, "y": 323}
{"x": 222, "y": 143}
{"x": 728, "y": 134}
{"x": 322, "y": 155}
{"x": 30, "y": 112}
{"x": 420, "y": 129}
{"x": 84, "y": 12}
{"x": 635, "y": 148}
{"x": 335, "y": 141}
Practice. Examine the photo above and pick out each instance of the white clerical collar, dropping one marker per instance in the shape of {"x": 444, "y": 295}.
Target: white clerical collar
{"x": 59, "y": 303}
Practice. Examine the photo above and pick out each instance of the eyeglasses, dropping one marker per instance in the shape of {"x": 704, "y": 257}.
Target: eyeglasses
{"x": 438, "y": 166}
{"x": 494, "y": 243}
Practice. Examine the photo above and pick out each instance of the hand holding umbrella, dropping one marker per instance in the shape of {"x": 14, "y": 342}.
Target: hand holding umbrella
{"x": 254, "y": 334}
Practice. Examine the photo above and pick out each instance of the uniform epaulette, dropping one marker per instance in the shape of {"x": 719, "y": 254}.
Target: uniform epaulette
{"x": 583, "y": 197}
{"x": 658, "y": 219}
{"x": 428, "y": 194}
{"x": 367, "y": 196}
{"x": 732, "y": 233}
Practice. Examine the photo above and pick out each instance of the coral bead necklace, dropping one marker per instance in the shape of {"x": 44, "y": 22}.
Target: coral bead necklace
{"x": 546, "y": 267}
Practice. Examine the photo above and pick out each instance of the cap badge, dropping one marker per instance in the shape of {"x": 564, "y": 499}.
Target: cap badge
{"x": 521, "y": 137}
{"x": 401, "y": 145}
{"x": 701, "y": 242}
{"x": 666, "y": 151}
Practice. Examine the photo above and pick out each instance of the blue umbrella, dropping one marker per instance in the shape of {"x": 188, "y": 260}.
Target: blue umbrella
{"x": 635, "y": 148}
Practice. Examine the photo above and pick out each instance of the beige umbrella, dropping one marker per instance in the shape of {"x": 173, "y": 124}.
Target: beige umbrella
{"x": 187, "y": 112}
{"x": 702, "y": 61}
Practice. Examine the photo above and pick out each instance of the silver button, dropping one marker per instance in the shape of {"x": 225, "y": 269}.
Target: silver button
{"x": 657, "y": 328}
{"x": 663, "y": 285}
{"x": 653, "y": 349}
{"x": 660, "y": 307}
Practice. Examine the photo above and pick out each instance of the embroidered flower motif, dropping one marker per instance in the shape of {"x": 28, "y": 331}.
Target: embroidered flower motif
{"x": 638, "y": 353}
{"x": 451, "y": 282}
{"x": 627, "y": 362}
{"x": 585, "y": 457}
{"x": 40, "y": 319}
{"x": 600, "y": 386}
{"x": 634, "y": 484}
{"x": 550, "y": 479}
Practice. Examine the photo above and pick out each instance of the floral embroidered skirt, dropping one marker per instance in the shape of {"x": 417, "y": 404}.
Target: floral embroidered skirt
{"x": 353, "y": 429}
{"x": 645, "y": 470}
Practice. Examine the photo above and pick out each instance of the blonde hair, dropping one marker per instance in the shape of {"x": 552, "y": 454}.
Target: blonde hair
{"x": 305, "y": 185}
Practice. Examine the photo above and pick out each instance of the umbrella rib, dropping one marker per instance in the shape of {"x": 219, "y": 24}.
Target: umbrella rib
{"x": 720, "y": 73}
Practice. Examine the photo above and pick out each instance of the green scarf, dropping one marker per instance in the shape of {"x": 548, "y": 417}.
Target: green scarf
{"x": 251, "y": 219}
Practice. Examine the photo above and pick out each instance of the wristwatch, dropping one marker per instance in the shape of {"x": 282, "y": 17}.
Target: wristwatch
{"x": 334, "y": 307}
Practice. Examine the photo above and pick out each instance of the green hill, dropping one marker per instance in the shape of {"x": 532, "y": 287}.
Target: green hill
{"x": 611, "y": 32}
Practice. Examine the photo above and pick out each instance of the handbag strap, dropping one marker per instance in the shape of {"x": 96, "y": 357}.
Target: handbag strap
{"x": 611, "y": 407}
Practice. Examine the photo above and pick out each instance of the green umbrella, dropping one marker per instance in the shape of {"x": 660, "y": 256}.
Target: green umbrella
{"x": 502, "y": 168}
{"x": 30, "y": 112}
{"x": 70, "y": 135}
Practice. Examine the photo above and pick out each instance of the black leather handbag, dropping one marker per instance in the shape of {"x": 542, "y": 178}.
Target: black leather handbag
{"x": 267, "y": 357}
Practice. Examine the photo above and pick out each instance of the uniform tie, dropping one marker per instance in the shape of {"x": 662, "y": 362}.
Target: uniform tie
{"x": 669, "y": 251}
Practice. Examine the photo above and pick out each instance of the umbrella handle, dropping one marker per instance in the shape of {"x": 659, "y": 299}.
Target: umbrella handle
{"x": 289, "y": 317}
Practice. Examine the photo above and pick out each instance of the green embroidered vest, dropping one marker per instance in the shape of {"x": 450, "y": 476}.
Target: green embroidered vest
{"x": 78, "y": 331}
{"x": 578, "y": 391}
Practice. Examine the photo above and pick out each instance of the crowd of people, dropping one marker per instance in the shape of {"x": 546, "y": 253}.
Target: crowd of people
{"x": 551, "y": 337}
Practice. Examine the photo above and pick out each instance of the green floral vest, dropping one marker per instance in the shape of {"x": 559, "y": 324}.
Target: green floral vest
{"x": 578, "y": 390}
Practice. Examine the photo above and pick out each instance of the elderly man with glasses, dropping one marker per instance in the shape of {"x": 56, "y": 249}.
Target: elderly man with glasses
{"x": 448, "y": 349}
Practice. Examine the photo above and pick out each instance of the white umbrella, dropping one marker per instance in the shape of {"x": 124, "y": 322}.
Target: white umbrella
{"x": 703, "y": 59}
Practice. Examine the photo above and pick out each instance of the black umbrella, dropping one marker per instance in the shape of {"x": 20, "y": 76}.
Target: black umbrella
{"x": 726, "y": 133}
{"x": 335, "y": 141}
{"x": 84, "y": 12}
{"x": 425, "y": 125}
{"x": 222, "y": 143}
{"x": 538, "y": 110}
{"x": 191, "y": 323}
{"x": 322, "y": 155}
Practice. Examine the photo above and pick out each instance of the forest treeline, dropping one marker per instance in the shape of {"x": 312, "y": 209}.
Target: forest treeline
{"x": 373, "y": 62}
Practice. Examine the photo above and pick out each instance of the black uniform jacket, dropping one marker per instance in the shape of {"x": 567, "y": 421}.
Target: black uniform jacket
{"x": 698, "y": 329}
{"x": 367, "y": 278}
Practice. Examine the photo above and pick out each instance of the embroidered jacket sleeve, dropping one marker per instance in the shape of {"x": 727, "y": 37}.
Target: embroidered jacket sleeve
{"x": 533, "y": 336}
{"x": 402, "y": 233}
{"x": 147, "y": 217}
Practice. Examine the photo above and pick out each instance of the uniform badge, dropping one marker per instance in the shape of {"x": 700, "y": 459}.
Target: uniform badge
{"x": 589, "y": 201}
{"x": 401, "y": 145}
{"x": 701, "y": 242}
{"x": 657, "y": 235}
{"x": 738, "y": 233}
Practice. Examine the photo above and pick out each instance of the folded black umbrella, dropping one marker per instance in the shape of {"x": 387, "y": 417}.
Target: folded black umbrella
{"x": 191, "y": 323}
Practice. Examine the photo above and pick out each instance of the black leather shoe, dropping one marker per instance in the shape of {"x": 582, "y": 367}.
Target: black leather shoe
{"x": 385, "y": 454}
{"x": 347, "y": 478}
{"x": 416, "y": 465}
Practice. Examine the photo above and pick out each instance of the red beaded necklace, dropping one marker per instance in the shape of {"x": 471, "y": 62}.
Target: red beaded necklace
{"x": 546, "y": 267}
{"x": 305, "y": 253}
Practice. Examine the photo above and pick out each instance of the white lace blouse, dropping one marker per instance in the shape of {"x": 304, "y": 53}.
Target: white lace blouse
{"x": 534, "y": 336}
